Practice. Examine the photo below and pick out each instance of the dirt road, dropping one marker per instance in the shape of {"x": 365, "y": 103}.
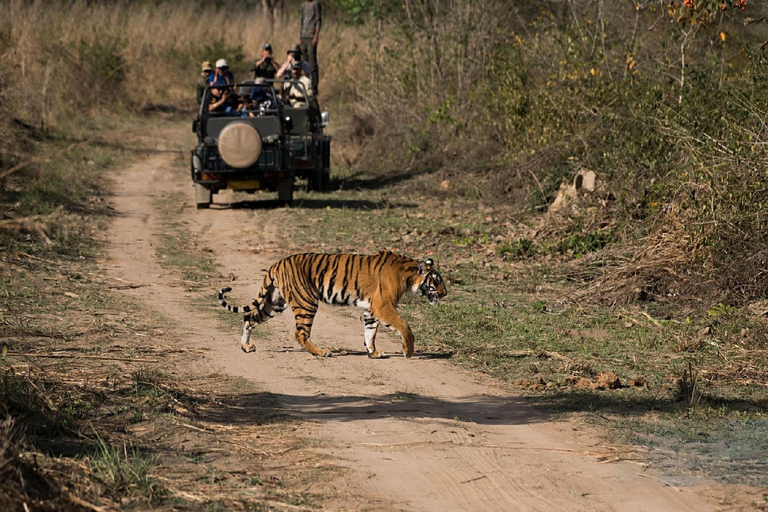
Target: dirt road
{"x": 416, "y": 434}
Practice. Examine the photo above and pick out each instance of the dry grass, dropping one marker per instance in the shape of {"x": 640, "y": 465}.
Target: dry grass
{"x": 659, "y": 268}
{"x": 58, "y": 57}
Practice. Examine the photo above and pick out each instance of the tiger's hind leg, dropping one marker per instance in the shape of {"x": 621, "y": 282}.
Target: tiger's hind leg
{"x": 304, "y": 314}
{"x": 245, "y": 342}
{"x": 272, "y": 303}
{"x": 371, "y": 325}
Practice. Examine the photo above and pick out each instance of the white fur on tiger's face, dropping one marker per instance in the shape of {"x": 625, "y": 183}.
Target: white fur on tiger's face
{"x": 375, "y": 283}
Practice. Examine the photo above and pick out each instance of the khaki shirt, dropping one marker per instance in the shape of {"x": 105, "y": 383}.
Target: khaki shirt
{"x": 296, "y": 91}
{"x": 202, "y": 83}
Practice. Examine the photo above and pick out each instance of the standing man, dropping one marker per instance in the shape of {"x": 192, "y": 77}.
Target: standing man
{"x": 311, "y": 21}
{"x": 266, "y": 67}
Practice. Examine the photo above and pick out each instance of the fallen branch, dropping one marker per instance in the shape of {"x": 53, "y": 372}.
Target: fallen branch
{"x": 211, "y": 498}
{"x": 41, "y": 158}
{"x": 538, "y": 353}
{"x": 128, "y": 286}
{"x": 82, "y": 356}
{"x": 31, "y": 223}
{"x": 78, "y": 501}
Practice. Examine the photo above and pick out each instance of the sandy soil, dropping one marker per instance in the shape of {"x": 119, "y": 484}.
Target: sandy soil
{"x": 415, "y": 434}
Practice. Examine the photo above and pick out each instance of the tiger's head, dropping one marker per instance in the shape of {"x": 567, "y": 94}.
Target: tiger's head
{"x": 429, "y": 282}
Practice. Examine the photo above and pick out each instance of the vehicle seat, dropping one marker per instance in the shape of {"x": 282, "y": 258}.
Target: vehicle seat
{"x": 300, "y": 118}
{"x": 266, "y": 125}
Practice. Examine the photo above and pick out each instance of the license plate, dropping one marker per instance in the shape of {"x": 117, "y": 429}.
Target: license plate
{"x": 243, "y": 184}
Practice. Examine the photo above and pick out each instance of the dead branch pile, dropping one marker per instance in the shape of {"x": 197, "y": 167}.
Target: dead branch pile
{"x": 670, "y": 259}
{"x": 22, "y": 481}
{"x": 38, "y": 223}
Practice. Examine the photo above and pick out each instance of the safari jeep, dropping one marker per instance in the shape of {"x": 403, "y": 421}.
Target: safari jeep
{"x": 258, "y": 143}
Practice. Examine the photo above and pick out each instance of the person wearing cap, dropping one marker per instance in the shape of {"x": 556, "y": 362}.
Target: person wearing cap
{"x": 309, "y": 33}
{"x": 294, "y": 55}
{"x": 266, "y": 67}
{"x": 293, "y": 92}
{"x": 203, "y": 81}
{"x": 222, "y": 75}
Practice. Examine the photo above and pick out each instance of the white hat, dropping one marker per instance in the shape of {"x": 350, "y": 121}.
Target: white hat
{"x": 221, "y": 63}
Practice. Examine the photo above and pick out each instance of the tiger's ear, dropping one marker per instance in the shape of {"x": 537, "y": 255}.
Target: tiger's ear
{"x": 426, "y": 266}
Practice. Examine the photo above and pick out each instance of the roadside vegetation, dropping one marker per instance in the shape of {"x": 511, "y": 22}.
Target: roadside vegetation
{"x": 89, "y": 419}
{"x": 642, "y": 303}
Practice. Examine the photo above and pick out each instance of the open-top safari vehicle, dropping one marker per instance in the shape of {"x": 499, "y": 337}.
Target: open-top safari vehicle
{"x": 249, "y": 139}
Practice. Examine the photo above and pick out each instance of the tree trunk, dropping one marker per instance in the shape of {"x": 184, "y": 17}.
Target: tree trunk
{"x": 273, "y": 10}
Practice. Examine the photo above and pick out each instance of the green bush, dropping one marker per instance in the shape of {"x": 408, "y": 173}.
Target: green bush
{"x": 103, "y": 67}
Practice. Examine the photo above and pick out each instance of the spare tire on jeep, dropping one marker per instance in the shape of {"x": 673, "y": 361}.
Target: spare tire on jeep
{"x": 240, "y": 145}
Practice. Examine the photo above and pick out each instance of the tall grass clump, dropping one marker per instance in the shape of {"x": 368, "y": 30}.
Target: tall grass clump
{"x": 126, "y": 471}
{"x": 21, "y": 480}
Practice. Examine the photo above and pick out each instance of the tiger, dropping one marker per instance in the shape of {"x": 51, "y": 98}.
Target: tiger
{"x": 375, "y": 283}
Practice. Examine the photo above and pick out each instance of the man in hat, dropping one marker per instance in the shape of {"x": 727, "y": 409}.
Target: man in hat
{"x": 222, "y": 75}
{"x": 202, "y": 82}
{"x": 309, "y": 33}
{"x": 266, "y": 67}
{"x": 294, "y": 93}
{"x": 294, "y": 55}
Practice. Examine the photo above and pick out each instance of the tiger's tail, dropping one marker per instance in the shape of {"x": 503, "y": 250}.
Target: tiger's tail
{"x": 253, "y": 306}
{"x": 262, "y": 308}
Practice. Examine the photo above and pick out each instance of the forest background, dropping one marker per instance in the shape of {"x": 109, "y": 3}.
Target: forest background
{"x": 505, "y": 101}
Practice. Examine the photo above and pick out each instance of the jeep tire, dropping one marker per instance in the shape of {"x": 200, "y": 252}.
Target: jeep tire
{"x": 203, "y": 197}
{"x": 285, "y": 192}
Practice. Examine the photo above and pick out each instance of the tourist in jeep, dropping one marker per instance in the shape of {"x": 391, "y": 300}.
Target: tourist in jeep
{"x": 262, "y": 97}
{"x": 293, "y": 93}
{"x": 294, "y": 55}
{"x": 224, "y": 101}
{"x": 266, "y": 67}
{"x": 222, "y": 75}
{"x": 204, "y": 80}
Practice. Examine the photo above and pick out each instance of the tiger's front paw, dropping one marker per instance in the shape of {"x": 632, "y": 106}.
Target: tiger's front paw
{"x": 408, "y": 353}
{"x": 324, "y": 353}
{"x": 376, "y": 354}
{"x": 248, "y": 348}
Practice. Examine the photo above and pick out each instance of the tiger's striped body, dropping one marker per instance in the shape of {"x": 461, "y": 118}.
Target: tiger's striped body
{"x": 372, "y": 282}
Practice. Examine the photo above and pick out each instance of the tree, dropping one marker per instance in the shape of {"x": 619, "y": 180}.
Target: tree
{"x": 273, "y": 9}
{"x": 691, "y": 16}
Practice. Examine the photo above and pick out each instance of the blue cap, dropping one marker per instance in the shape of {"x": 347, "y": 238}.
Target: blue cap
{"x": 267, "y": 46}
